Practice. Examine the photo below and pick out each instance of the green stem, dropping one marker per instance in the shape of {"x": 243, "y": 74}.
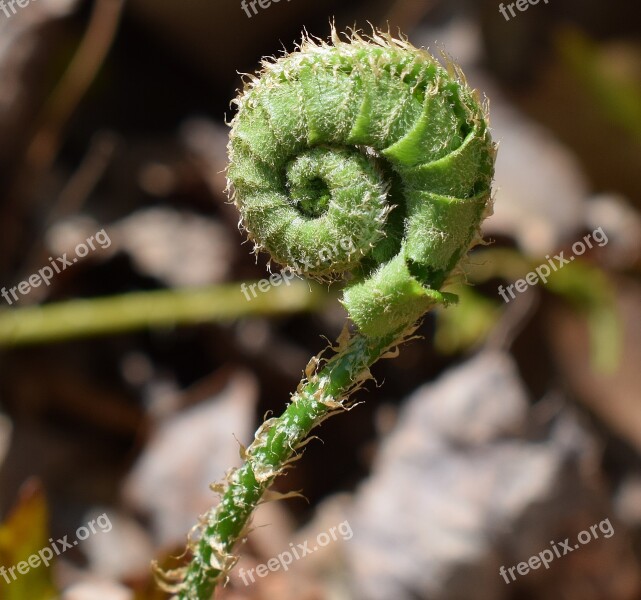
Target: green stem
{"x": 275, "y": 445}
{"x": 161, "y": 308}
{"x": 311, "y": 196}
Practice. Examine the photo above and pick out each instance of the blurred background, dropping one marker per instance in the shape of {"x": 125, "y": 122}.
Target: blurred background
{"x": 129, "y": 380}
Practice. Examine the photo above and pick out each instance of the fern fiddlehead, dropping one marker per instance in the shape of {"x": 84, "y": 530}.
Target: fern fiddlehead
{"x": 370, "y": 140}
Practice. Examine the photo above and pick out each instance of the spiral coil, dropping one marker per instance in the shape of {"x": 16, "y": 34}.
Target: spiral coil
{"x": 370, "y": 140}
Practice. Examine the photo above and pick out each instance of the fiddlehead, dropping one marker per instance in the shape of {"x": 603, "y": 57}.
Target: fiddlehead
{"x": 370, "y": 141}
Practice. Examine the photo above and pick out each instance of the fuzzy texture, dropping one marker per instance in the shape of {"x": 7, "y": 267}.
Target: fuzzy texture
{"x": 371, "y": 140}
{"x": 323, "y": 392}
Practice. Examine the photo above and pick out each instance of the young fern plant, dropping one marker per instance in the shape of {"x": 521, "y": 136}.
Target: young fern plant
{"x": 370, "y": 140}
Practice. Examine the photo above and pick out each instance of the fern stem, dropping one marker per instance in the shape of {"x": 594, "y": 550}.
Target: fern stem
{"x": 75, "y": 319}
{"x": 274, "y": 446}
{"x": 363, "y": 160}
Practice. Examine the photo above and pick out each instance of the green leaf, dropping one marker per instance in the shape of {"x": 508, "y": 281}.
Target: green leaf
{"x": 22, "y": 536}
